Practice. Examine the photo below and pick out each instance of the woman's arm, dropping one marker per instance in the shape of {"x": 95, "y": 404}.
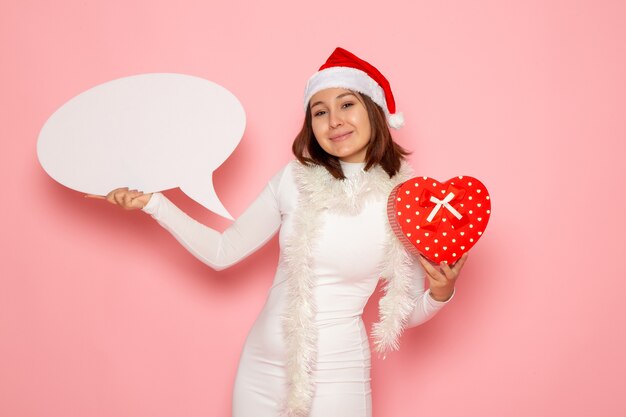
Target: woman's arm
{"x": 441, "y": 288}
{"x": 218, "y": 250}
{"x": 249, "y": 232}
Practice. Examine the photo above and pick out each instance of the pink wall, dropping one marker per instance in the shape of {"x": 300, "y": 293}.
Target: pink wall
{"x": 103, "y": 314}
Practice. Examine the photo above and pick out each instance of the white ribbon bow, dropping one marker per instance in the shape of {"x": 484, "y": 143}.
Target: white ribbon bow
{"x": 443, "y": 203}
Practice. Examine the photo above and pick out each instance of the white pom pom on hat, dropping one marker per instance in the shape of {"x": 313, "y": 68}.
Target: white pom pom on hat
{"x": 343, "y": 69}
{"x": 396, "y": 120}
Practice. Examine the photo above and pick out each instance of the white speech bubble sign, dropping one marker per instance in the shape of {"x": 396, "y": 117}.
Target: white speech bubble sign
{"x": 150, "y": 132}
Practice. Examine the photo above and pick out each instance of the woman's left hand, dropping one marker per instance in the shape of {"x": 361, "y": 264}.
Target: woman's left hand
{"x": 441, "y": 280}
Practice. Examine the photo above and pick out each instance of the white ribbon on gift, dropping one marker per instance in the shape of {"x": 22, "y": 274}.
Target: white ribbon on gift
{"x": 443, "y": 203}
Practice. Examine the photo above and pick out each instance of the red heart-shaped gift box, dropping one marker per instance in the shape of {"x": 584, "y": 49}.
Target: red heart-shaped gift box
{"x": 441, "y": 221}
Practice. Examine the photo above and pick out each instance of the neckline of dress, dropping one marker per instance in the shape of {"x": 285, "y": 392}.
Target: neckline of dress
{"x": 351, "y": 168}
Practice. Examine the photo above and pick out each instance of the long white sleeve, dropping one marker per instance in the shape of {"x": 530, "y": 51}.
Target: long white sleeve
{"x": 249, "y": 232}
{"x": 425, "y": 306}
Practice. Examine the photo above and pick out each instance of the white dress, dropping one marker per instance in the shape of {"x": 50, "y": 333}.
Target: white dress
{"x": 347, "y": 257}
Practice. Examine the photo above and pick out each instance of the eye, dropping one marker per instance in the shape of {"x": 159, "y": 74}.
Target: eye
{"x": 319, "y": 113}
{"x": 347, "y": 104}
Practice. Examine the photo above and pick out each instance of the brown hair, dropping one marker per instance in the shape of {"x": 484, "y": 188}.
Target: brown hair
{"x": 380, "y": 150}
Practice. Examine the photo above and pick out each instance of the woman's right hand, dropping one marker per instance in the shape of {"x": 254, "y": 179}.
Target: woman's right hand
{"x": 125, "y": 198}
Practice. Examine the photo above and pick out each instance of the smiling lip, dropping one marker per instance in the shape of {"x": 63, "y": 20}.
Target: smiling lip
{"x": 341, "y": 137}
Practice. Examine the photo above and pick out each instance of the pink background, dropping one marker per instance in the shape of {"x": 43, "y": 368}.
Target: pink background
{"x": 102, "y": 313}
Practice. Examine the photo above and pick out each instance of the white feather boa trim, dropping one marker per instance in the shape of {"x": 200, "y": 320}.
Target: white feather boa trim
{"x": 318, "y": 191}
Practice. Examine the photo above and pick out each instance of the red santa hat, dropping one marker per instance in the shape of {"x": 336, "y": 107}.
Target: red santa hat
{"x": 345, "y": 70}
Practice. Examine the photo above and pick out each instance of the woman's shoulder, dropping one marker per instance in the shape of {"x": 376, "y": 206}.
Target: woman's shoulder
{"x": 284, "y": 176}
{"x": 292, "y": 169}
{"x": 406, "y": 171}
{"x": 286, "y": 170}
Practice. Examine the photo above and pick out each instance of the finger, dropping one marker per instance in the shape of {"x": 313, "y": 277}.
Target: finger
{"x": 447, "y": 271}
{"x": 117, "y": 190}
{"x": 430, "y": 270}
{"x": 459, "y": 264}
{"x": 130, "y": 199}
{"x": 111, "y": 196}
{"x": 118, "y": 197}
{"x": 135, "y": 194}
{"x": 101, "y": 197}
{"x": 137, "y": 202}
{"x": 127, "y": 198}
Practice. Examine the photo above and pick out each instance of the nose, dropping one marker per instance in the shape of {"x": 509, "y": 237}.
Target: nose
{"x": 334, "y": 119}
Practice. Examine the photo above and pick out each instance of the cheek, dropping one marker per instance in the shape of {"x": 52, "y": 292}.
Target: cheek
{"x": 317, "y": 133}
{"x": 322, "y": 145}
{"x": 366, "y": 127}
{"x": 317, "y": 128}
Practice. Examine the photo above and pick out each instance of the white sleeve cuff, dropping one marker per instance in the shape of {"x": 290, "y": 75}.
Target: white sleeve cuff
{"x": 153, "y": 203}
{"x": 436, "y": 303}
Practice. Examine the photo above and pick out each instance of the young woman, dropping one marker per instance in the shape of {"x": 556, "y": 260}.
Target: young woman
{"x": 308, "y": 352}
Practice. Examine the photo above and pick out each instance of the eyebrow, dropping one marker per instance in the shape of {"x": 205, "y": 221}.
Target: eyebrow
{"x": 347, "y": 93}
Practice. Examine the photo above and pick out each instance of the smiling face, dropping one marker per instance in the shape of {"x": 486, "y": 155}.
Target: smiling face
{"x": 341, "y": 124}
